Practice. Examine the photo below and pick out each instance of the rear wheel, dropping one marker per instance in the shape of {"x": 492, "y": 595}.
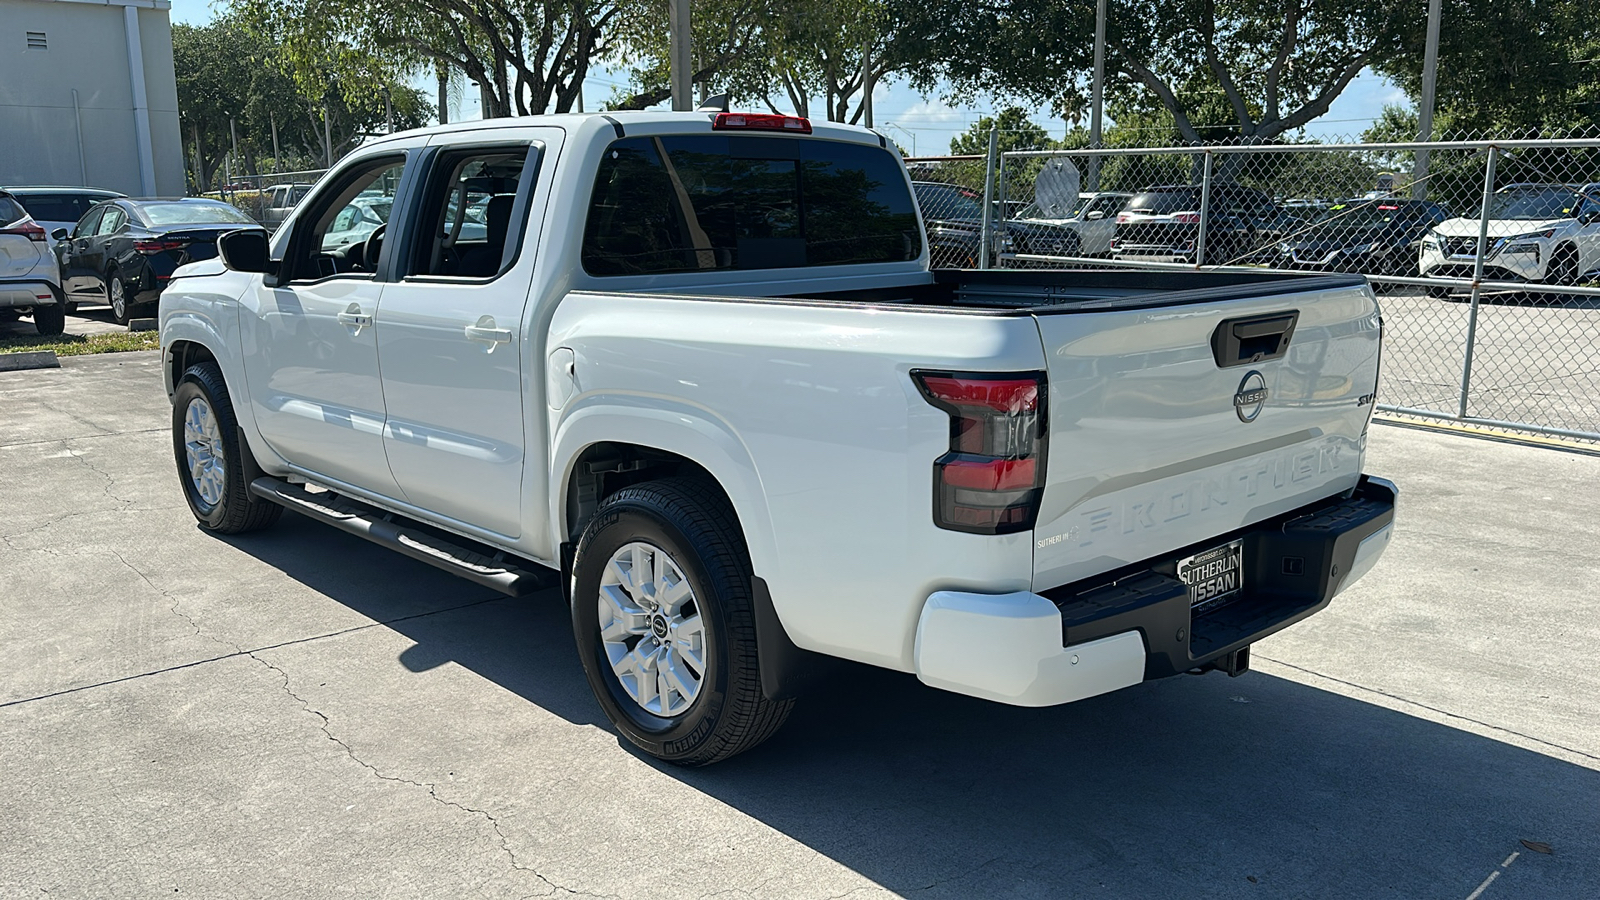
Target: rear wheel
{"x": 665, "y": 624}
{"x": 50, "y": 320}
{"x": 212, "y": 464}
{"x": 117, "y": 295}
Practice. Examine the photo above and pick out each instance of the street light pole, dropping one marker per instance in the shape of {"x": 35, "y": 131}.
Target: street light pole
{"x": 1097, "y": 91}
{"x": 909, "y": 134}
{"x": 678, "y": 54}
{"x": 1430, "y": 65}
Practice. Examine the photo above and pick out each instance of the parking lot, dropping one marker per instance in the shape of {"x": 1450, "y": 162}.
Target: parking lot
{"x": 296, "y": 713}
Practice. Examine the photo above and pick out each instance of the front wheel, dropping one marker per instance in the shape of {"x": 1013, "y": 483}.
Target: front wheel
{"x": 664, "y": 619}
{"x": 212, "y": 464}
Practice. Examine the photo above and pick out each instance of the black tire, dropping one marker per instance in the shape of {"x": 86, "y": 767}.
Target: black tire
{"x": 236, "y": 510}
{"x": 694, "y": 525}
{"x": 50, "y": 320}
{"x": 72, "y": 307}
{"x": 115, "y": 284}
{"x": 1563, "y": 267}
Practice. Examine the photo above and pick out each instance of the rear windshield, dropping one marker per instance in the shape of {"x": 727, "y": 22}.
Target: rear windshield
{"x": 1553, "y": 202}
{"x": 703, "y": 202}
{"x": 193, "y": 214}
{"x": 1160, "y": 203}
{"x": 58, "y": 207}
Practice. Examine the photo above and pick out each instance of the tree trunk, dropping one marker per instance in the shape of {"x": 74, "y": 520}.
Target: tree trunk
{"x": 444, "y": 94}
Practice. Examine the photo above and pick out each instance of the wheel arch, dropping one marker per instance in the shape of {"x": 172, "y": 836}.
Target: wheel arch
{"x": 600, "y": 449}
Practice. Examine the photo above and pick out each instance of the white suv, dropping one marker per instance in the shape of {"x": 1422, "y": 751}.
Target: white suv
{"x": 29, "y": 278}
{"x": 1537, "y": 232}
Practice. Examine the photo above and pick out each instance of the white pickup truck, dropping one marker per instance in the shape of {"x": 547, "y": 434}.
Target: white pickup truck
{"x": 697, "y": 365}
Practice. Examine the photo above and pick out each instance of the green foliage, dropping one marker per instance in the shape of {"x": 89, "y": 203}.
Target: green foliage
{"x": 1017, "y": 132}
{"x": 1509, "y": 68}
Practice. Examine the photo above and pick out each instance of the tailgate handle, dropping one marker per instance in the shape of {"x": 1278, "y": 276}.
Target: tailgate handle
{"x": 1253, "y": 339}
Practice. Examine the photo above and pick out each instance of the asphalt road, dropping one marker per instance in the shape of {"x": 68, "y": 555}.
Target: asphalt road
{"x": 300, "y": 714}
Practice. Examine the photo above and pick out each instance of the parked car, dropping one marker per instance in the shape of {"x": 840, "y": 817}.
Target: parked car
{"x": 702, "y": 381}
{"x": 1162, "y": 224}
{"x": 59, "y": 207}
{"x": 29, "y": 283}
{"x": 123, "y": 252}
{"x": 280, "y": 200}
{"x": 1094, "y": 220}
{"x": 1373, "y": 237}
{"x": 954, "y": 217}
{"x": 1536, "y": 233}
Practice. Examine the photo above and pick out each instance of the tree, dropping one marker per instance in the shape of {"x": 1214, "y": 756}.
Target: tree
{"x": 1274, "y": 64}
{"x": 1017, "y": 132}
{"x": 1510, "y": 68}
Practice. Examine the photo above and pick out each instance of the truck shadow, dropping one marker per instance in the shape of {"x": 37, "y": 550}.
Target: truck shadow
{"x": 1189, "y": 787}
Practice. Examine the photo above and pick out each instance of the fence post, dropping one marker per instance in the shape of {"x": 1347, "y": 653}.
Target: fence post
{"x": 1205, "y": 212}
{"x": 990, "y": 164}
{"x": 1477, "y": 280}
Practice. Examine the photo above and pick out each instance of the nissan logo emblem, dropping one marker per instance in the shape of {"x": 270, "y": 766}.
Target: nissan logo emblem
{"x": 1252, "y": 396}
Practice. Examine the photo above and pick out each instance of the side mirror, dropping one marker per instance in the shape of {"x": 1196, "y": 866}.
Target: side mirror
{"x": 244, "y": 250}
{"x": 60, "y": 234}
{"x": 1590, "y": 217}
{"x": 1096, "y": 215}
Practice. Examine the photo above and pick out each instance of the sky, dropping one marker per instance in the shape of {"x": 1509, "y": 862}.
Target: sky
{"x": 925, "y": 125}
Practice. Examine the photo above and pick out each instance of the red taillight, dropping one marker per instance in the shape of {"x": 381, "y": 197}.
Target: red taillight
{"x": 992, "y": 478}
{"x": 151, "y": 248}
{"x": 1186, "y": 218}
{"x": 762, "y": 122}
{"x": 30, "y": 229}
{"x": 1124, "y": 218}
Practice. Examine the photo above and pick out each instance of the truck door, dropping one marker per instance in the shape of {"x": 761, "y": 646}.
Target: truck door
{"x": 312, "y": 362}
{"x": 451, "y": 337}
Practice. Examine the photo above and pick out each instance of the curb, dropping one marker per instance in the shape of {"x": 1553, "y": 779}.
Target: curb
{"x": 29, "y": 359}
{"x": 142, "y": 325}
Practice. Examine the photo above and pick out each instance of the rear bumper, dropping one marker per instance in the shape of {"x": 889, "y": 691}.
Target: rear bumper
{"x": 1136, "y": 624}
{"x": 28, "y": 292}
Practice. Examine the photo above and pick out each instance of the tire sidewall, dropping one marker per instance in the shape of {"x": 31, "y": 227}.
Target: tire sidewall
{"x": 122, "y": 317}
{"x": 624, "y": 521}
{"x": 188, "y": 389}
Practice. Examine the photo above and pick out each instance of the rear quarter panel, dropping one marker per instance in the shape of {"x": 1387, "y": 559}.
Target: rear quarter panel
{"x": 808, "y": 417}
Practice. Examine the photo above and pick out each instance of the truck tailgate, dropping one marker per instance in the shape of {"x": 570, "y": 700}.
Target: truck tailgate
{"x": 1167, "y": 431}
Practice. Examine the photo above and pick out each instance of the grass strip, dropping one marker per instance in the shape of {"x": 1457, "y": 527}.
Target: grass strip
{"x": 81, "y": 345}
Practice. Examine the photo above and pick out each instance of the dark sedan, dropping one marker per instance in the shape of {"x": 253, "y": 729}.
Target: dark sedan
{"x": 1370, "y": 237}
{"x": 123, "y": 252}
{"x": 954, "y": 217}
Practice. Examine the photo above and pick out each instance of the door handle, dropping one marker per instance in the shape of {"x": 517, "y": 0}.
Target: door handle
{"x": 485, "y": 332}
{"x": 353, "y": 317}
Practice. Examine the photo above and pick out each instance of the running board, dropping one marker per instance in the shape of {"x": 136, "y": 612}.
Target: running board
{"x": 493, "y": 568}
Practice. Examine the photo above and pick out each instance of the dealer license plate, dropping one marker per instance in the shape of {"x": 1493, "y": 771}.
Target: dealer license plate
{"x": 1214, "y": 575}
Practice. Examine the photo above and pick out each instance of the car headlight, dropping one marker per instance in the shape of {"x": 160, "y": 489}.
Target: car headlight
{"x": 1430, "y": 242}
{"x": 1532, "y": 235}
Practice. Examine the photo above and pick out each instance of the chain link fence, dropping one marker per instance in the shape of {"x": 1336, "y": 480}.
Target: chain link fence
{"x": 1485, "y": 254}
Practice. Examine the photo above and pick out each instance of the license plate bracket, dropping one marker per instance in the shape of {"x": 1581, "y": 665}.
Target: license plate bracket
{"x": 1213, "y": 576}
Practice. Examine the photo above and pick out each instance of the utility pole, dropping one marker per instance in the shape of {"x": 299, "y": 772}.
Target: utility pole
{"x": 678, "y": 54}
{"x": 233, "y": 132}
{"x": 866, "y": 85}
{"x": 1430, "y": 65}
{"x": 1097, "y": 91}
{"x": 327, "y": 136}
{"x": 388, "y": 109}
{"x": 277, "y": 155}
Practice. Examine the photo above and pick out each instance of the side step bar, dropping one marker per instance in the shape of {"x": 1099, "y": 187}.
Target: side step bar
{"x": 493, "y": 569}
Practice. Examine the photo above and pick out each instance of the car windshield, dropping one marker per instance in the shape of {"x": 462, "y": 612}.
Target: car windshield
{"x": 1160, "y": 203}
{"x": 943, "y": 201}
{"x": 57, "y": 207}
{"x": 176, "y": 213}
{"x": 1549, "y": 202}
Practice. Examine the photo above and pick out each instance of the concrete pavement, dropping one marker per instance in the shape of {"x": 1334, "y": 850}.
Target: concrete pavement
{"x": 297, "y": 713}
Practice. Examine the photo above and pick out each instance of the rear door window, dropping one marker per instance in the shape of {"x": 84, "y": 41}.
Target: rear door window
{"x": 1161, "y": 203}
{"x": 704, "y": 202}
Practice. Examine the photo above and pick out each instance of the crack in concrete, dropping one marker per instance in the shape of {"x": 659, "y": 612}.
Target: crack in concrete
{"x": 83, "y": 456}
{"x": 80, "y": 437}
{"x": 75, "y": 515}
{"x": 174, "y": 608}
{"x": 431, "y": 788}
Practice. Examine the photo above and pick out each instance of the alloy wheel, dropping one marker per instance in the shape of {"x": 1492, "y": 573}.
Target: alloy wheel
{"x": 202, "y": 447}
{"x": 652, "y": 630}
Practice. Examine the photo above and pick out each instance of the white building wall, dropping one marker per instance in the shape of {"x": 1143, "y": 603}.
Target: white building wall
{"x": 87, "y": 51}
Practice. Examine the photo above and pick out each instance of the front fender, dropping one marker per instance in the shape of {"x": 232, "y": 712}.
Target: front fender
{"x": 207, "y": 313}
{"x": 681, "y": 429}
